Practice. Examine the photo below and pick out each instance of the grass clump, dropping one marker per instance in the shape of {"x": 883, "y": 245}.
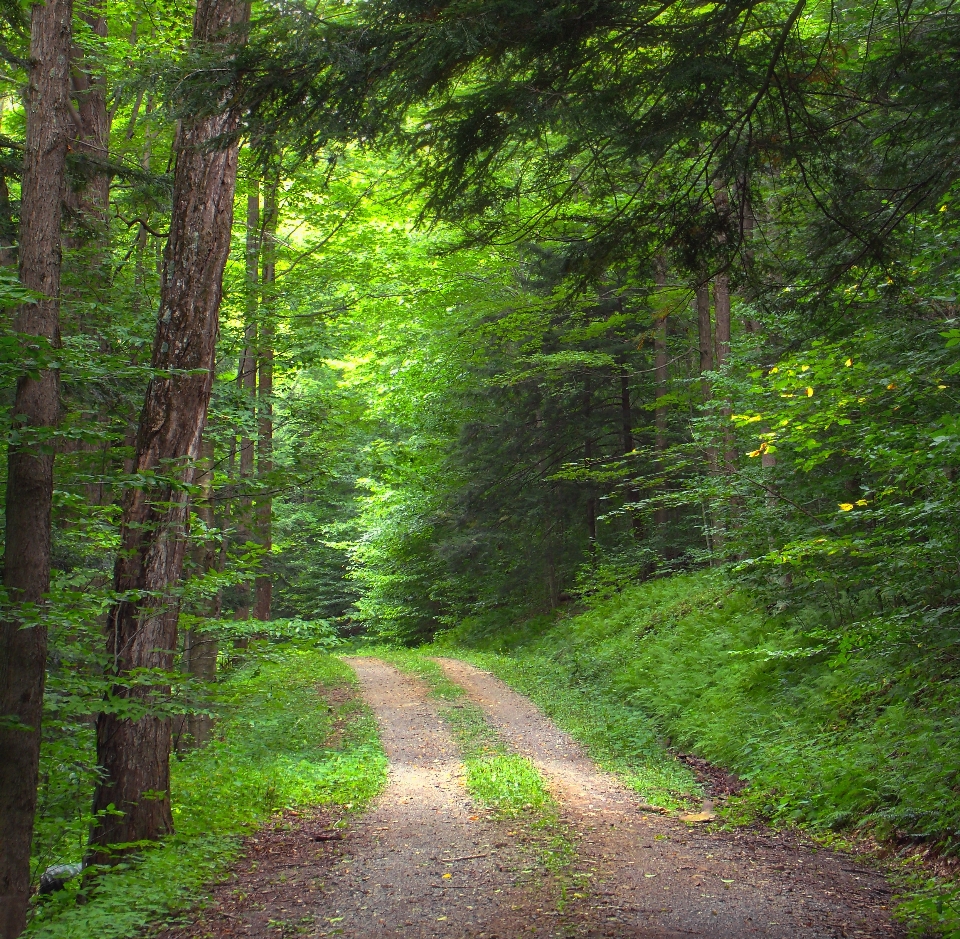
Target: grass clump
{"x": 509, "y": 784}
{"x": 278, "y": 745}
{"x": 506, "y": 782}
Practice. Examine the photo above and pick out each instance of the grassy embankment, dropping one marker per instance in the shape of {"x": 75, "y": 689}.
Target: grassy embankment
{"x": 270, "y": 753}
{"x": 832, "y": 743}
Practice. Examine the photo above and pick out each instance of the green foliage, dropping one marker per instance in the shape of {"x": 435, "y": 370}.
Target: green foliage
{"x": 823, "y": 742}
{"x": 478, "y": 420}
{"x": 278, "y": 745}
{"x": 508, "y": 783}
{"x": 931, "y": 906}
{"x": 828, "y": 742}
{"x": 619, "y": 736}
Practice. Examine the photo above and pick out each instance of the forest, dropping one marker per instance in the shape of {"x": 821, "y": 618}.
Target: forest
{"x": 612, "y": 347}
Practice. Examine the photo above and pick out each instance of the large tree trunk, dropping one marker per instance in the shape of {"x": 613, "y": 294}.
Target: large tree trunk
{"x": 26, "y": 566}
{"x": 92, "y": 133}
{"x": 264, "y": 583}
{"x": 134, "y": 755}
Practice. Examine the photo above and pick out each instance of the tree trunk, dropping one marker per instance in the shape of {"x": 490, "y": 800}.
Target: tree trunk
{"x": 706, "y": 339}
{"x": 264, "y": 583}
{"x": 705, "y": 332}
{"x": 26, "y": 567}
{"x": 142, "y": 233}
{"x": 8, "y": 228}
{"x": 588, "y": 462}
{"x": 92, "y": 133}
{"x": 134, "y": 755}
{"x": 661, "y": 378}
{"x": 247, "y": 379}
{"x": 705, "y": 342}
{"x": 200, "y": 648}
{"x": 626, "y": 425}
{"x": 721, "y": 305}
{"x": 88, "y": 205}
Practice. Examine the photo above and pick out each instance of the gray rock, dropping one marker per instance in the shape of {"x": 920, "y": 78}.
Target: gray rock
{"x": 54, "y": 878}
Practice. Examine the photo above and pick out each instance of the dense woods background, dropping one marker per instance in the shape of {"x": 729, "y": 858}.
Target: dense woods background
{"x": 523, "y": 305}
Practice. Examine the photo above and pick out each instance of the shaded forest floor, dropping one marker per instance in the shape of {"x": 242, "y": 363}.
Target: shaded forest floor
{"x": 432, "y": 858}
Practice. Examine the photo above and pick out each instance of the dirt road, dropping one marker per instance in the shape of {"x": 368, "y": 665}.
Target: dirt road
{"x": 426, "y": 862}
{"x": 659, "y": 876}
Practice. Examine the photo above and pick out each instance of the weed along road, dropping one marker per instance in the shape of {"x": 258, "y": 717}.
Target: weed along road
{"x": 450, "y": 849}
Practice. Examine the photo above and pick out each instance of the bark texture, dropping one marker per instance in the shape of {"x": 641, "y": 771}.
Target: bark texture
{"x": 26, "y": 566}
{"x": 133, "y": 745}
{"x": 92, "y": 131}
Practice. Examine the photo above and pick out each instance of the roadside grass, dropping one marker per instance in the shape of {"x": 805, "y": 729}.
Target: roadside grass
{"x": 272, "y": 751}
{"x": 618, "y": 737}
{"x": 843, "y": 746}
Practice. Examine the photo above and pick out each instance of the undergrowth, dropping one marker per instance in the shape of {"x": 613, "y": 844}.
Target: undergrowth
{"x": 835, "y": 743}
{"x": 270, "y": 753}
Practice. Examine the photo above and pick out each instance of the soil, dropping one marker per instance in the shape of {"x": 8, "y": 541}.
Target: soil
{"x": 427, "y": 862}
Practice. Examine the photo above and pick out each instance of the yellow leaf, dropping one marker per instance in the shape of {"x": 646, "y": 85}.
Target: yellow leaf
{"x": 773, "y": 371}
{"x": 848, "y": 363}
{"x": 943, "y": 208}
{"x": 804, "y": 368}
{"x": 941, "y": 387}
{"x": 809, "y": 392}
{"x": 891, "y": 386}
{"x": 862, "y": 502}
{"x": 447, "y": 876}
{"x": 846, "y": 506}
{"x": 754, "y": 453}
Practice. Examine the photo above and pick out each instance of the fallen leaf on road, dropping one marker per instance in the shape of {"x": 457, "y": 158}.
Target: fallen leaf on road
{"x": 698, "y": 817}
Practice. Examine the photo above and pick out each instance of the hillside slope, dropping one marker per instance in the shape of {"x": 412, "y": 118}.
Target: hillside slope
{"x": 831, "y": 741}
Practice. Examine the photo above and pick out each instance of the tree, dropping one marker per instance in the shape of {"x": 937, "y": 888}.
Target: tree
{"x": 133, "y": 741}
{"x": 263, "y": 587}
{"x": 26, "y": 565}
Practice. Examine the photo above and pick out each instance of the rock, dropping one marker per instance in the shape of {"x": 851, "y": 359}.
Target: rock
{"x": 54, "y": 878}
